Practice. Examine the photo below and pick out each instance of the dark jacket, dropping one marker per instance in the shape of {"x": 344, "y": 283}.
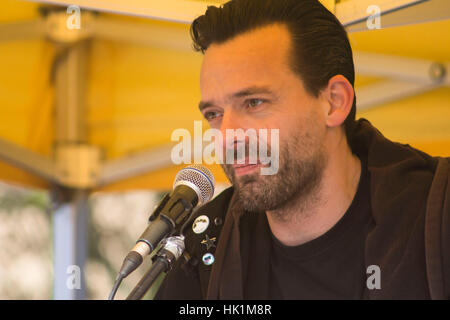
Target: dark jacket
{"x": 409, "y": 241}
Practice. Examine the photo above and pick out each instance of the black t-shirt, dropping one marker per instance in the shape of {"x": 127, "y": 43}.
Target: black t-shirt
{"x": 331, "y": 266}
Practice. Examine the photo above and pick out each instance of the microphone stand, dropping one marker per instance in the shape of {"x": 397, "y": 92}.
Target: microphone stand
{"x": 171, "y": 250}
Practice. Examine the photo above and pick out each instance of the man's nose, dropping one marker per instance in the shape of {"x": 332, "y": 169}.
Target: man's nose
{"x": 231, "y": 120}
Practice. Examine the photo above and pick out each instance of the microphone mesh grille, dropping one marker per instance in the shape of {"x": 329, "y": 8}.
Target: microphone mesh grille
{"x": 201, "y": 177}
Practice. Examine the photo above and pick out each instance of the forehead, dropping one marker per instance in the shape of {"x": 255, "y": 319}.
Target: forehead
{"x": 248, "y": 59}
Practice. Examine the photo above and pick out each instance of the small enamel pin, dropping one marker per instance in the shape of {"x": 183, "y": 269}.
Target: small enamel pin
{"x": 200, "y": 224}
{"x": 208, "y": 259}
{"x": 209, "y": 242}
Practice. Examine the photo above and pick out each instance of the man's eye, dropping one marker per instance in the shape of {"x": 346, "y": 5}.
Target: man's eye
{"x": 210, "y": 115}
{"x": 252, "y": 103}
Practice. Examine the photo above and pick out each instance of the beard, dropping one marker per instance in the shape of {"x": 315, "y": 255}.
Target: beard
{"x": 301, "y": 165}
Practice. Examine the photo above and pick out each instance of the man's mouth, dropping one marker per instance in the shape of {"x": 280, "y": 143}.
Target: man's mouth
{"x": 246, "y": 168}
{"x": 240, "y": 170}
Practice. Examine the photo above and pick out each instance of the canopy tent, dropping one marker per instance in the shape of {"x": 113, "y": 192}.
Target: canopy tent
{"x": 93, "y": 109}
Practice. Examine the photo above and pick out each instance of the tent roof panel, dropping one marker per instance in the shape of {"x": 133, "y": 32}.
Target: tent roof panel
{"x": 404, "y": 41}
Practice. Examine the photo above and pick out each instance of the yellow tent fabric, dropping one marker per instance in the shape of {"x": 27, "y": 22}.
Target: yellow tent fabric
{"x": 137, "y": 95}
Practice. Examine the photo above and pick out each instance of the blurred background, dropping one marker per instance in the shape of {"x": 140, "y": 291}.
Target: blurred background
{"x": 91, "y": 91}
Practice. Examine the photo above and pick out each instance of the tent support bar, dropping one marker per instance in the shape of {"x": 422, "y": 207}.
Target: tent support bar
{"x": 387, "y": 91}
{"x": 127, "y": 167}
{"x": 397, "y": 67}
{"x": 394, "y": 13}
{"x": 185, "y": 12}
{"x": 28, "y": 160}
{"x": 70, "y": 98}
{"x": 141, "y": 34}
{"x": 71, "y": 212}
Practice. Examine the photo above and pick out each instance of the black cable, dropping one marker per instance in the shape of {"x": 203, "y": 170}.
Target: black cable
{"x": 116, "y": 286}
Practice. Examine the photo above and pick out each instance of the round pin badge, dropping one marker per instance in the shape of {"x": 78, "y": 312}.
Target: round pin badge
{"x": 200, "y": 224}
{"x": 208, "y": 259}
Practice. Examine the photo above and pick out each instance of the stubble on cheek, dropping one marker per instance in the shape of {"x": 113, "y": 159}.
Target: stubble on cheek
{"x": 301, "y": 164}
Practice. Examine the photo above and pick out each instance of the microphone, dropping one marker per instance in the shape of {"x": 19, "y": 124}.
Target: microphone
{"x": 193, "y": 185}
{"x": 173, "y": 248}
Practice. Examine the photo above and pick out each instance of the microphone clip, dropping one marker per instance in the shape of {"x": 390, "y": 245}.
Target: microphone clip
{"x": 159, "y": 207}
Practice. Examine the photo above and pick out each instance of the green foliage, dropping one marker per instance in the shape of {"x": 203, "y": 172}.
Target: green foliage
{"x": 15, "y": 200}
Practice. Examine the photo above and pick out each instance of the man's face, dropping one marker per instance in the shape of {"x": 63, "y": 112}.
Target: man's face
{"x": 247, "y": 83}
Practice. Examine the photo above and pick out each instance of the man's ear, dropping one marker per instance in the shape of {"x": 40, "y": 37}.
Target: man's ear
{"x": 339, "y": 94}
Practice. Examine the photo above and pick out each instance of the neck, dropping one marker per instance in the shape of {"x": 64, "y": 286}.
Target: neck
{"x": 312, "y": 216}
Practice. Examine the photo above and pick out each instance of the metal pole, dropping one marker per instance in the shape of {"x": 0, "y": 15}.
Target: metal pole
{"x": 70, "y": 219}
{"x": 71, "y": 208}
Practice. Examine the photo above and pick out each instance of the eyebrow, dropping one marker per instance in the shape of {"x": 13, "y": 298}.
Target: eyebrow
{"x": 240, "y": 94}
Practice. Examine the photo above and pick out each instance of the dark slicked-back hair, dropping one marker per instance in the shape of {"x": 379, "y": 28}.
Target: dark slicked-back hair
{"x": 321, "y": 48}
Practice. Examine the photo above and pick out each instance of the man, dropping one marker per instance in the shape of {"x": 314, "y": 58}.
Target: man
{"x": 349, "y": 214}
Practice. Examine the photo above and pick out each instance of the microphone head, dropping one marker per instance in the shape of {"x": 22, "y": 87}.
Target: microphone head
{"x": 199, "y": 178}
